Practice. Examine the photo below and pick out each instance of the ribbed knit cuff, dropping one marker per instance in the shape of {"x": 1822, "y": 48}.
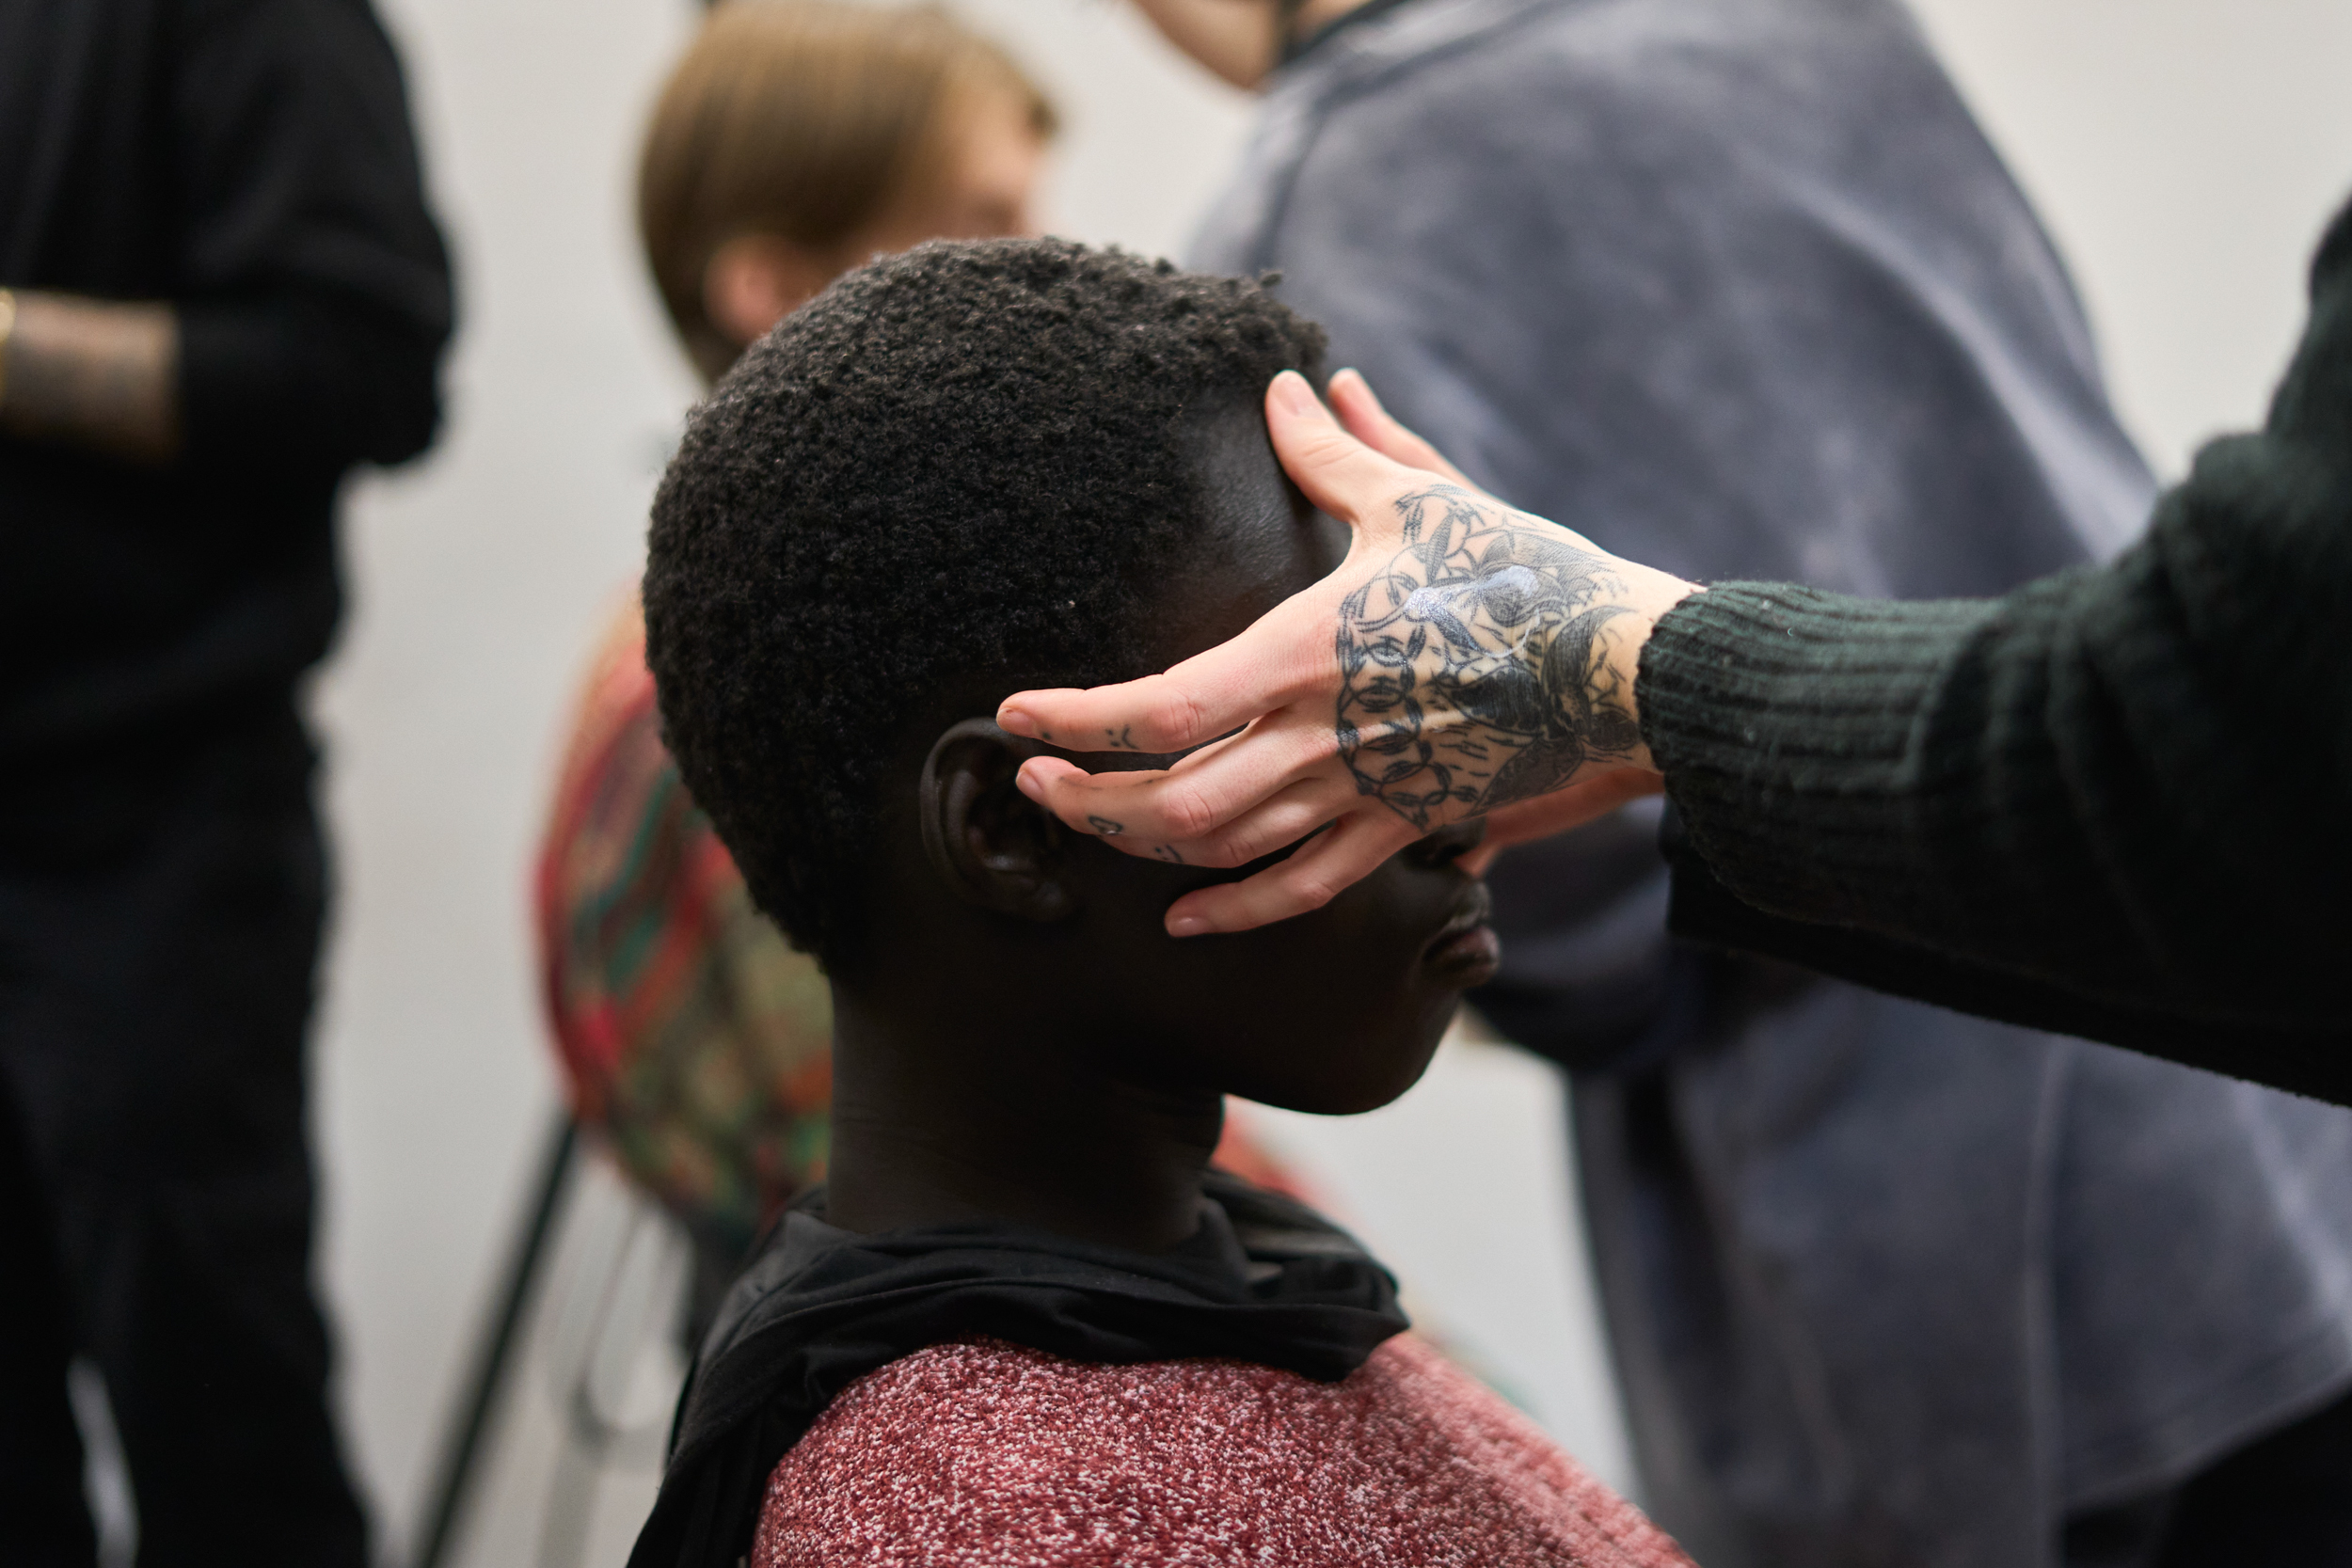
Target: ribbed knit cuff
{"x": 1787, "y": 723}
{"x": 304, "y": 383}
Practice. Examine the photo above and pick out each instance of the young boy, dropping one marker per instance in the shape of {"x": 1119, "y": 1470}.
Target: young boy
{"x": 1024, "y": 1324}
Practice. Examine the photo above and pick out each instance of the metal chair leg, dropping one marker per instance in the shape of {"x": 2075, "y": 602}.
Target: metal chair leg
{"x": 496, "y": 1346}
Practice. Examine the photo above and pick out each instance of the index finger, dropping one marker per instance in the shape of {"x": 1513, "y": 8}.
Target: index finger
{"x": 1209, "y": 694}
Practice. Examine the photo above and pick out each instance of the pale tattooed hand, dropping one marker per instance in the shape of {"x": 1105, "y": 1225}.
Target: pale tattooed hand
{"x": 1473, "y": 670}
{"x": 1466, "y": 659}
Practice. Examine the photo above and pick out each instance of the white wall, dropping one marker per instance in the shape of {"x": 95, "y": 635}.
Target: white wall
{"x": 2185, "y": 153}
{"x": 2185, "y": 149}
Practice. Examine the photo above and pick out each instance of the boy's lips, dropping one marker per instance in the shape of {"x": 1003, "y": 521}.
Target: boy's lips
{"x": 1466, "y": 952}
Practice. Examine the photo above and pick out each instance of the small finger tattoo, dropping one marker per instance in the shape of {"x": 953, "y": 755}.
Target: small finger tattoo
{"x": 1104, "y": 825}
{"x": 1168, "y": 852}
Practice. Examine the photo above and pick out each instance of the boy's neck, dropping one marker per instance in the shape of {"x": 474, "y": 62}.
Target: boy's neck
{"x": 939, "y": 1123}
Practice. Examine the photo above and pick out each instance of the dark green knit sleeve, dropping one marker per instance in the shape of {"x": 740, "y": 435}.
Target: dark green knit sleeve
{"x": 2132, "y": 784}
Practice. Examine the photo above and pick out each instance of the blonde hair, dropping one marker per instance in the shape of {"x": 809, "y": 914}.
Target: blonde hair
{"x": 804, "y": 119}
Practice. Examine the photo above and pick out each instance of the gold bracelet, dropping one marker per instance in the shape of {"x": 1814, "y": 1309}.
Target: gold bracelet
{"x": 8, "y": 330}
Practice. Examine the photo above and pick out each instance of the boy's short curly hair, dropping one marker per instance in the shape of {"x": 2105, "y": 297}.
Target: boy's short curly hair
{"x": 955, "y": 470}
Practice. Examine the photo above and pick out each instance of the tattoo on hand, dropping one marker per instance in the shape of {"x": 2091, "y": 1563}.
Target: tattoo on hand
{"x": 1169, "y": 853}
{"x": 1104, "y": 825}
{"x": 1473, "y": 669}
{"x": 1120, "y": 739}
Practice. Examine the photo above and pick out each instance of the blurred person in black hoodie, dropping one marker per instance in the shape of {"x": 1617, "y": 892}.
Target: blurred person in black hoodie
{"x": 220, "y": 289}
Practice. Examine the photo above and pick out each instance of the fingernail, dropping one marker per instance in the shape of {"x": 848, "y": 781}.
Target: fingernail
{"x": 1187, "y": 925}
{"x": 1016, "y": 721}
{"x": 1026, "y": 782}
{"x": 1292, "y": 391}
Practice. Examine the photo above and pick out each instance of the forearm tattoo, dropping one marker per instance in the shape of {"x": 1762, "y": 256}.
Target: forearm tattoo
{"x": 1473, "y": 670}
{"x": 97, "y": 373}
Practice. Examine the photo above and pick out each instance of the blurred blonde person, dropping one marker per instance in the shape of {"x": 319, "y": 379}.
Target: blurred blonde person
{"x": 797, "y": 140}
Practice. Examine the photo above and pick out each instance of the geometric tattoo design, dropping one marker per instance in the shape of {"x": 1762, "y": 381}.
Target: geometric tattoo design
{"x": 1470, "y": 674}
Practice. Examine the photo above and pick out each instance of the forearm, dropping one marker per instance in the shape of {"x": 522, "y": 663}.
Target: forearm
{"x": 2314, "y": 1060}
{"x": 1791, "y": 726}
{"x": 2127, "y": 782}
{"x": 2057, "y": 785}
{"x": 93, "y": 373}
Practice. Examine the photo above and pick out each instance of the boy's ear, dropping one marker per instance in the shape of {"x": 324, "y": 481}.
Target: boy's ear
{"x": 992, "y": 844}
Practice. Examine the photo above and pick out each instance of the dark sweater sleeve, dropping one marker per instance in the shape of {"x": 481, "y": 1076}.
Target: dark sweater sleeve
{"x": 315, "y": 295}
{"x": 2118, "y": 794}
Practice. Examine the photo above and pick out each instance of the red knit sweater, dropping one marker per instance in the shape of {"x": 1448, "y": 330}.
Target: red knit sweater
{"x": 990, "y": 1455}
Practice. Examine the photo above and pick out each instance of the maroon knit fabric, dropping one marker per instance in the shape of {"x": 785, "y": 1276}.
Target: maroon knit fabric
{"x": 990, "y": 1455}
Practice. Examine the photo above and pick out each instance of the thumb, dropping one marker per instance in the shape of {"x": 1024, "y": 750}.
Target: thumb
{"x": 1542, "y": 815}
